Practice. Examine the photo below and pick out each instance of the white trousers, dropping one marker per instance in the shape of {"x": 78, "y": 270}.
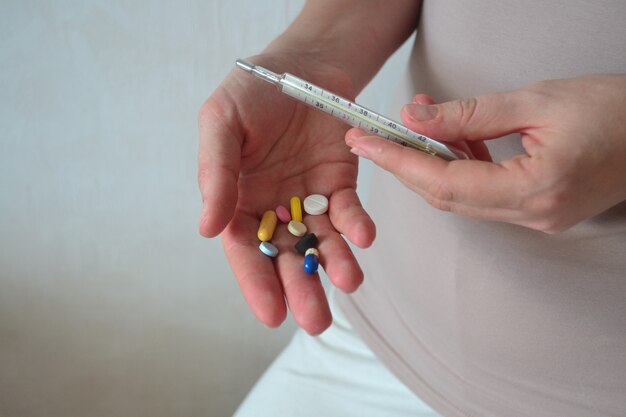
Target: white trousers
{"x": 330, "y": 375}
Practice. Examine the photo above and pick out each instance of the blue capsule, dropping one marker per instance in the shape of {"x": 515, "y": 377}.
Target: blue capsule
{"x": 311, "y": 263}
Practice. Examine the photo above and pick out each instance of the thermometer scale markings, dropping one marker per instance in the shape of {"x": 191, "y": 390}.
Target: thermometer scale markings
{"x": 362, "y": 114}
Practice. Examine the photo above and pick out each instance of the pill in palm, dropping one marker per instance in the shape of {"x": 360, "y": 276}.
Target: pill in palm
{"x": 296, "y": 228}
{"x": 296, "y": 208}
{"x": 311, "y": 263}
{"x": 307, "y": 242}
{"x": 267, "y": 226}
{"x": 283, "y": 214}
{"x": 268, "y": 249}
{"x": 316, "y": 204}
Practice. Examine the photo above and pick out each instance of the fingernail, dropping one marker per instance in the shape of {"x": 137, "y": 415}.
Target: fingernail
{"x": 420, "y": 112}
{"x": 359, "y": 152}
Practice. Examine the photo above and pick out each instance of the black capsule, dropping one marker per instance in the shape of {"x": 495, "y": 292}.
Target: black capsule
{"x": 307, "y": 242}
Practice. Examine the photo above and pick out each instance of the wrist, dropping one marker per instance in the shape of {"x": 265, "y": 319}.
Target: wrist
{"x": 353, "y": 37}
{"x": 308, "y": 64}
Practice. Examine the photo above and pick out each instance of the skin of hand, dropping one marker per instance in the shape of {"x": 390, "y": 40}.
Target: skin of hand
{"x": 258, "y": 148}
{"x": 574, "y": 135}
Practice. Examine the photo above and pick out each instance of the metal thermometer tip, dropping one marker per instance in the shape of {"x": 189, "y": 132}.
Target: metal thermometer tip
{"x": 260, "y": 72}
{"x": 244, "y": 65}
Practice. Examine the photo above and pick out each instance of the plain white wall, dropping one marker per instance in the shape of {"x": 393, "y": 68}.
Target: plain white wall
{"x": 110, "y": 303}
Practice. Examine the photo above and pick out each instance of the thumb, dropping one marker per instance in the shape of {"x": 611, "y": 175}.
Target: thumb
{"x": 476, "y": 118}
{"x": 219, "y": 155}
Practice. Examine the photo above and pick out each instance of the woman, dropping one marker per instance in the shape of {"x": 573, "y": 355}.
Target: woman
{"x": 515, "y": 305}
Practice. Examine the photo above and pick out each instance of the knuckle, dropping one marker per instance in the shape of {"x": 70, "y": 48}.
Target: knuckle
{"x": 466, "y": 110}
{"x": 204, "y": 113}
{"x": 211, "y": 110}
{"x": 208, "y": 111}
{"x": 551, "y": 202}
{"x": 548, "y": 211}
{"x": 548, "y": 193}
{"x": 439, "y": 195}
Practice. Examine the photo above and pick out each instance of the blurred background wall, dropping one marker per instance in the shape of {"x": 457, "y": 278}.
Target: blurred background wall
{"x": 111, "y": 304}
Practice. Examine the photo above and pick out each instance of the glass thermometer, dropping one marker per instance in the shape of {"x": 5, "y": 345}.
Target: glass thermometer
{"x": 351, "y": 113}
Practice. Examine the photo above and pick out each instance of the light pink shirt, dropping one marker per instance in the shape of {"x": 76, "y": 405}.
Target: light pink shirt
{"x": 486, "y": 319}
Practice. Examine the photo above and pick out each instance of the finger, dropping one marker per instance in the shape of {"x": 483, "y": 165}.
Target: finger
{"x": 482, "y": 213}
{"x": 475, "y": 150}
{"x": 464, "y": 182}
{"x": 218, "y": 165}
{"x": 476, "y": 118}
{"x": 424, "y": 99}
{"x": 335, "y": 255}
{"x": 479, "y": 150}
{"x": 254, "y": 271}
{"x": 304, "y": 292}
{"x": 348, "y": 217}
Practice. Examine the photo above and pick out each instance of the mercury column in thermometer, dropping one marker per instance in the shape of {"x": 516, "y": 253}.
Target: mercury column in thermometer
{"x": 351, "y": 113}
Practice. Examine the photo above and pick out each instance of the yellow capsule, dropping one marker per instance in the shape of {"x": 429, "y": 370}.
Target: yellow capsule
{"x": 296, "y": 209}
{"x": 267, "y": 226}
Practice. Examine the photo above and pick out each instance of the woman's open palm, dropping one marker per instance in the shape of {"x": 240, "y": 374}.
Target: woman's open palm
{"x": 258, "y": 148}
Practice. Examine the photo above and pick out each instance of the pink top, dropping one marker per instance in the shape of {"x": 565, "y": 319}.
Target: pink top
{"x": 488, "y": 319}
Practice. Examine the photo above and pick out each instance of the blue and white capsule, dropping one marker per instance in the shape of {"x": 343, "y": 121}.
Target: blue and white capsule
{"x": 311, "y": 261}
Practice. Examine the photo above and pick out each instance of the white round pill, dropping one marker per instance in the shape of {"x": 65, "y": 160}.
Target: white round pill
{"x": 315, "y": 204}
{"x": 268, "y": 249}
{"x": 296, "y": 228}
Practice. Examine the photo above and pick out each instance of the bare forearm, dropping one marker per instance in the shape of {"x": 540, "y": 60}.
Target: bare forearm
{"x": 356, "y": 36}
